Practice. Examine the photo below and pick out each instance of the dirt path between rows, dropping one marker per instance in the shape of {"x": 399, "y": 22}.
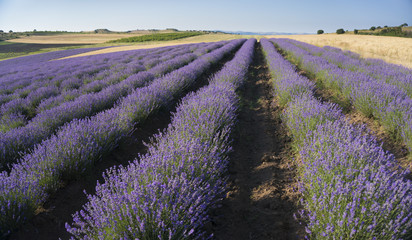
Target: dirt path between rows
{"x": 260, "y": 202}
{"x": 49, "y": 222}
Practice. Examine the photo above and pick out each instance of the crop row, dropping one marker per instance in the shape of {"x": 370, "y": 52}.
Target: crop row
{"x": 31, "y": 81}
{"x": 151, "y": 63}
{"x": 46, "y": 94}
{"x": 90, "y": 78}
{"x": 166, "y": 194}
{"x": 80, "y": 143}
{"x": 351, "y": 187}
{"x": 378, "y": 69}
{"x": 16, "y": 141}
{"x": 11, "y": 66}
{"x": 391, "y": 106}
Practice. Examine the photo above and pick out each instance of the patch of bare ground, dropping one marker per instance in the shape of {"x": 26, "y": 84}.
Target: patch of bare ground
{"x": 261, "y": 201}
{"x": 49, "y": 220}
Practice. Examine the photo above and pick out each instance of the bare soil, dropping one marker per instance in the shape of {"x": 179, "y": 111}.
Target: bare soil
{"x": 49, "y": 221}
{"x": 261, "y": 201}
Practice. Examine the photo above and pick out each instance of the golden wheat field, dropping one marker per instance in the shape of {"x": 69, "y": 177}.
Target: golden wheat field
{"x": 391, "y": 49}
{"x": 72, "y": 38}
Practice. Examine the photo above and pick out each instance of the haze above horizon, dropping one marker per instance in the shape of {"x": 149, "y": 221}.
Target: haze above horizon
{"x": 295, "y": 16}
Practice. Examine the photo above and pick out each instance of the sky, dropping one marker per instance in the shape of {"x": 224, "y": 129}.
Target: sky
{"x": 290, "y": 16}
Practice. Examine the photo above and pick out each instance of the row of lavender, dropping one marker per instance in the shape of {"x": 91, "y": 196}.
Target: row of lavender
{"x": 94, "y": 74}
{"x": 22, "y": 139}
{"x": 77, "y": 145}
{"x": 18, "y": 111}
{"x": 152, "y": 62}
{"x": 387, "y": 103}
{"x": 390, "y": 73}
{"x": 351, "y": 187}
{"x": 13, "y": 65}
{"x": 19, "y": 78}
{"x": 166, "y": 194}
{"x": 15, "y": 75}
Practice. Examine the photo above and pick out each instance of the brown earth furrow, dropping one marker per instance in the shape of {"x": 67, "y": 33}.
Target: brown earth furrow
{"x": 260, "y": 202}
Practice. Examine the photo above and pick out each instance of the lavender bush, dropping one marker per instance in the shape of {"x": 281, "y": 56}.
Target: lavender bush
{"x": 351, "y": 187}
{"x": 166, "y": 193}
{"x": 87, "y": 77}
{"x": 20, "y": 140}
{"x": 78, "y": 144}
{"x": 387, "y": 103}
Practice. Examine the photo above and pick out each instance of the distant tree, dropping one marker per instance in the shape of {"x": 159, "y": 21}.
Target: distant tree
{"x": 379, "y": 27}
{"x": 404, "y": 25}
{"x": 320, "y": 31}
{"x": 385, "y": 26}
{"x": 1, "y": 31}
{"x": 34, "y": 30}
{"x": 102, "y": 30}
{"x": 10, "y": 31}
{"x": 372, "y": 28}
{"x": 356, "y": 31}
{"x": 340, "y": 31}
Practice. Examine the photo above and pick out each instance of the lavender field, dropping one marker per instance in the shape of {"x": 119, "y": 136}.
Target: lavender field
{"x": 238, "y": 139}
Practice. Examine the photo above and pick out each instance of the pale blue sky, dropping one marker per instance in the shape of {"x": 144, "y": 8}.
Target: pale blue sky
{"x": 296, "y": 16}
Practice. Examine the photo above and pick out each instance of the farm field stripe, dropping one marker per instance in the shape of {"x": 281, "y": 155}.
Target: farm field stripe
{"x": 260, "y": 202}
{"x": 82, "y": 142}
{"x": 76, "y": 83}
{"x": 69, "y": 89}
{"x": 39, "y": 81}
{"x": 167, "y": 193}
{"x": 48, "y": 80}
{"x": 386, "y": 103}
{"x": 354, "y": 116}
{"x": 351, "y": 188}
{"x": 97, "y": 86}
{"x": 40, "y": 128}
{"x": 48, "y": 222}
{"x": 151, "y": 63}
{"x": 392, "y": 74}
{"x": 44, "y": 57}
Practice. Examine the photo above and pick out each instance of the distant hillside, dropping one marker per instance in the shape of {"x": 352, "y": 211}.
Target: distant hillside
{"x": 400, "y": 31}
{"x": 13, "y": 35}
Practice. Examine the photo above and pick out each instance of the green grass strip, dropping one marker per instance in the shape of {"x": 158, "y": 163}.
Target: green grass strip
{"x": 157, "y": 37}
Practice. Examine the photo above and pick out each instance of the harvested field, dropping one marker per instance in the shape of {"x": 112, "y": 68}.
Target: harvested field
{"x": 84, "y": 38}
{"x": 391, "y": 49}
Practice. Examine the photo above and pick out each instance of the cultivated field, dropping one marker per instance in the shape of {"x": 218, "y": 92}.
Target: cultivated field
{"x": 391, "y": 49}
{"x": 78, "y": 38}
{"x": 234, "y": 139}
{"x": 213, "y": 37}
